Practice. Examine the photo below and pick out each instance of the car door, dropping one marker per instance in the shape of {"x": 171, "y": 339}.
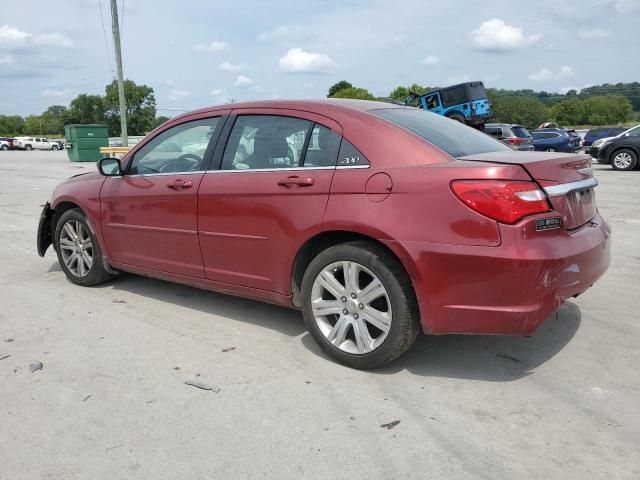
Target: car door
{"x": 149, "y": 214}
{"x": 267, "y": 197}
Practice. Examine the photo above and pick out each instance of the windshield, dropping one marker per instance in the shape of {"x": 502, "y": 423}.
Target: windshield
{"x": 455, "y": 138}
{"x": 632, "y": 131}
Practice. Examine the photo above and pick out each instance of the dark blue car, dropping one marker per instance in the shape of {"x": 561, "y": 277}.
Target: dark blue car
{"x": 601, "y": 132}
{"x": 555, "y": 140}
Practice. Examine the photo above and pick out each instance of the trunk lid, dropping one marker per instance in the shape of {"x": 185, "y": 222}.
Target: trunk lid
{"x": 566, "y": 178}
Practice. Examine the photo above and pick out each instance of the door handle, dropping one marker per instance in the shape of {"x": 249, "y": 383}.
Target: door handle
{"x": 295, "y": 181}
{"x": 180, "y": 184}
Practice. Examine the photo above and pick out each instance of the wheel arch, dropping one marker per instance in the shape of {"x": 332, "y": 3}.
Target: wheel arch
{"x": 323, "y": 240}
{"x": 624, "y": 147}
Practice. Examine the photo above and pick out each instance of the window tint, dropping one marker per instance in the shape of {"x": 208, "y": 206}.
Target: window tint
{"x": 350, "y": 155}
{"x": 265, "y": 141}
{"x": 634, "y": 132}
{"x": 38, "y": 140}
{"x": 455, "y": 95}
{"x": 453, "y": 137}
{"x": 477, "y": 91}
{"x": 433, "y": 101}
{"x": 520, "y": 132}
{"x": 176, "y": 150}
{"x": 322, "y": 150}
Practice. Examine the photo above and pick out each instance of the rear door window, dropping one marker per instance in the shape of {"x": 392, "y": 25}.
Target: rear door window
{"x": 322, "y": 148}
{"x": 455, "y": 95}
{"x": 520, "y": 132}
{"x": 455, "y": 138}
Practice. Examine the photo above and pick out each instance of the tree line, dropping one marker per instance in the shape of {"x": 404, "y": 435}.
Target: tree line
{"x": 101, "y": 109}
{"x": 598, "y": 105}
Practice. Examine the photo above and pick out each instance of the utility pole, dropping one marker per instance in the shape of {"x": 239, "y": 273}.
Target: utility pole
{"x": 116, "y": 44}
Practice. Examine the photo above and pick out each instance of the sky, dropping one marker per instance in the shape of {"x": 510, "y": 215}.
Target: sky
{"x": 196, "y": 53}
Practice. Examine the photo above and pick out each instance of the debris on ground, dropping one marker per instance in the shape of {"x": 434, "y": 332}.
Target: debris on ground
{"x": 307, "y": 382}
{"x": 8, "y": 340}
{"x": 119, "y": 301}
{"x": 6, "y": 356}
{"x": 203, "y": 386}
{"x": 390, "y": 425}
{"x": 34, "y": 367}
{"x": 86, "y": 398}
{"x": 176, "y": 368}
{"x": 508, "y": 357}
{"x": 229, "y": 349}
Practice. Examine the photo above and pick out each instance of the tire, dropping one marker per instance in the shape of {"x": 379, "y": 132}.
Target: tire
{"x": 4, "y": 148}
{"x": 551, "y": 149}
{"x": 54, "y": 147}
{"x": 457, "y": 117}
{"x": 28, "y": 147}
{"x": 624, "y": 159}
{"x": 66, "y": 248}
{"x": 397, "y": 305}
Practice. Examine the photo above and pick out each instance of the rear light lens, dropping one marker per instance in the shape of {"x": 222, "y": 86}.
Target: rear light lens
{"x": 502, "y": 200}
{"x": 515, "y": 141}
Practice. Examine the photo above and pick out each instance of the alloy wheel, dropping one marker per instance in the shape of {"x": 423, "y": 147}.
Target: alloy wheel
{"x": 76, "y": 248}
{"x": 351, "y": 307}
{"x": 622, "y": 160}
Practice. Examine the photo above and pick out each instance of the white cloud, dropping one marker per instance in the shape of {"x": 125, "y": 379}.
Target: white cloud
{"x": 51, "y": 92}
{"x": 627, "y": 6}
{"x": 53, "y": 40}
{"x": 297, "y": 60}
{"x": 565, "y": 72}
{"x": 566, "y": 89}
{"x": 397, "y": 40}
{"x": 430, "y": 60}
{"x": 495, "y": 35}
{"x": 6, "y": 60}
{"x": 232, "y": 67}
{"x": 217, "y": 92}
{"x": 594, "y": 33}
{"x": 243, "y": 81}
{"x": 12, "y": 36}
{"x": 215, "y": 46}
{"x": 277, "y": 34}
{"x": 545, "y": 74}
{"x": 177, "y": 94}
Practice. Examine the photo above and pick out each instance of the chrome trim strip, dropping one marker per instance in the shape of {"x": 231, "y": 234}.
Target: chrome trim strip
{"x": 287, "y": 169}
{"x": 160, "y": 174}
{"x": 564, "y": 188}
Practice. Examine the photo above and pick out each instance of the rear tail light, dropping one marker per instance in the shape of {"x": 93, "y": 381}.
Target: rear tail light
{"x": 502, "y": 200}
{"x": 515, "y": 141}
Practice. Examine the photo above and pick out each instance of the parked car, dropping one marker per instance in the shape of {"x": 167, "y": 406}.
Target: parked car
{"x": 516, "y": 136}
{"x": 555, "y": 140}
{"x": 622, "y": 152}
{"x": 386, "y": 221}
{"x": 7, "y": 143}
{"x": 36, "y": 143}
{"x": 599, "y": 133}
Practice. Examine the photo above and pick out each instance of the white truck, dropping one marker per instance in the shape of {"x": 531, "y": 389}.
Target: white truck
{"x": 36, "y": 143}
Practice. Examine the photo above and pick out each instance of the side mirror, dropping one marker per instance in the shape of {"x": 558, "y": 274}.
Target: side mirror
{"x": 110, "y": 167}
{"x": 626, "y": 134}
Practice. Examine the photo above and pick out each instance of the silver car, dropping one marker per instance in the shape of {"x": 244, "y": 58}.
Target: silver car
{"x": 516, "y": 136}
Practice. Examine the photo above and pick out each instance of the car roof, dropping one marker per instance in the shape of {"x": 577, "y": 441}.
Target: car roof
{"x": 326, "y": 106}
{"x": 510, "y": 125}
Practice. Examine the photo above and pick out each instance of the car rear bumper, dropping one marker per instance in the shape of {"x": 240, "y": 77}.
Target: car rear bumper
{"x": 510, "y": 289}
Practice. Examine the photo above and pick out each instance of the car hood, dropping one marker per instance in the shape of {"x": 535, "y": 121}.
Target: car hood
{"x": 84, "y": 177}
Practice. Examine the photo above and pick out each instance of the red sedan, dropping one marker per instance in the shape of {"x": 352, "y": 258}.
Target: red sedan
{"x": 376, "y": 220}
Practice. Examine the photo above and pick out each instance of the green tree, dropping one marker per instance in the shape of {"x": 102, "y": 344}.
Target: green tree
{"x": 85, "y": 109}
{"x": 354, "y": 92}
{"x": 159, "y": 121}
{"x": 569, "y": 112}
{"x": 11, "y": 125}
{"x": 607, "y": 110}
{"x": 527, "y": 111}
{"x": 141, "y": 108}
{"x": 399, "y": 93}
{"x": 335, "y": 88}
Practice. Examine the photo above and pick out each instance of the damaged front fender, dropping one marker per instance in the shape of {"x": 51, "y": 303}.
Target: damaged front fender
{"x": 45, "y": 235}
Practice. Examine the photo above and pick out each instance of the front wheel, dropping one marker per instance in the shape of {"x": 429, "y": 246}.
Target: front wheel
{"x": 28, "y": 147}
{"x": 5, "y": 148}
{"x": 78, "y": 250}
{"x": 359, "y": 305}
{"x": 457, "y": 117}
{"x": 54, "y": 147}
{"x": 550, "y": 149}
{"x": 624, "y": 159}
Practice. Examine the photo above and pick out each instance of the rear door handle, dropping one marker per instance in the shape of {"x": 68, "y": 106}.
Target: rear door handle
{"x": 295, "y": 181}
{"x": 180, "y": 184}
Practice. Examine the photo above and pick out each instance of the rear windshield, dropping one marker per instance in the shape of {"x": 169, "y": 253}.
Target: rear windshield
{"x": 520, "y": 132}
{"x": 453, "y": 137}
{"x": 477, "y": 91}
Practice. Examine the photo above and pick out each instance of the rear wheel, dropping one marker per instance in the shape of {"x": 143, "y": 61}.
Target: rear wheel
{"x": 5, "y": 148}
{"x": 457, "y": 117}
{"x": 359, "y": 305}
{"x": 78, "y": 250}
{"x": 54, "y": 147}
{"x": 624, "y": 159}
{"x": 28, "y": 147}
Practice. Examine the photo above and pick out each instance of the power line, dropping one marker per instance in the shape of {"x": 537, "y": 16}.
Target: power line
{"x": 104, "y": 33}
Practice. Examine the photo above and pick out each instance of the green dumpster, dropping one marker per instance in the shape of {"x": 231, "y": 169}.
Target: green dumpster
{"x": 84, "y": 141}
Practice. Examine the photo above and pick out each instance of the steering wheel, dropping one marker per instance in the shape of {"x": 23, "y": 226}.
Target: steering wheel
{"x": 187, "y": 162}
